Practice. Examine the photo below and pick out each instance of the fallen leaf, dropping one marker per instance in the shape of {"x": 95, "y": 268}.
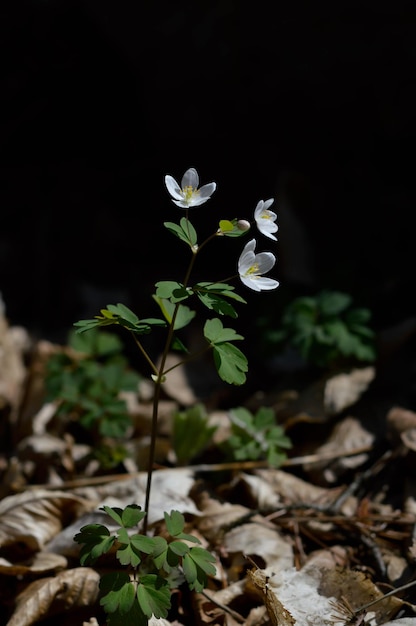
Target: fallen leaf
{"x": 76, "y": 587}
{"x": 32, "y": 518}
{"x": 343, "y": 390}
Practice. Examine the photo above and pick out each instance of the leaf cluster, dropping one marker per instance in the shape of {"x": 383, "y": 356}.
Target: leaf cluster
{"x": 325, "y": 330}
{"x": 256, "y": 437}
{"x": 87, "y": 380}
{"x": 143, "y": 590}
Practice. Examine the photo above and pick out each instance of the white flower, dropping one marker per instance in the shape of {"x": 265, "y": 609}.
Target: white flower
{"x": 188, "y": 195}
{"x": 251, "y": 266}
{"x": 265, "y": 219}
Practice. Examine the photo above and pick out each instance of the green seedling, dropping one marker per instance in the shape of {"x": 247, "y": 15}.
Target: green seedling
{"x": 152, "y": 566}
{"x": 86, "y": 381}
{"x": 326, "y": 330}
{"x": 256, "y": 437}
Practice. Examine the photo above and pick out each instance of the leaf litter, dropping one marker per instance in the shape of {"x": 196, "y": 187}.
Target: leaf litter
{"x": 327, "y": 539}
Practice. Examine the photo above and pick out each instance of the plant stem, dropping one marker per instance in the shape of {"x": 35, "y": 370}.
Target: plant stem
{"x": 156, "y": 397}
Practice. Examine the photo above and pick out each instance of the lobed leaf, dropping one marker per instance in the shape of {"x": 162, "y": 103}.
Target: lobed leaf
{"x": 230, "y": 362}
{"x": 153, "y": 594}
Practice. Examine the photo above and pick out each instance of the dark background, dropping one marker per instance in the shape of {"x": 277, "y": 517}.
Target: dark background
{"x": 311, "y": 103}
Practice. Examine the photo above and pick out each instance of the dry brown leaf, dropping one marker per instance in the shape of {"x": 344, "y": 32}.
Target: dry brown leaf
{"x": 258, "y": 540}
{"x": 294, "y": 490}
{"x": 76, "y": 587}
{"x": 32, "y": 518}
{"x": 343, "y": 390}
{"x": 216, "y": 515}
{"x": 358, "y": 589}
{"x": 346, "y": 436}
{"x": 41, "y": 563}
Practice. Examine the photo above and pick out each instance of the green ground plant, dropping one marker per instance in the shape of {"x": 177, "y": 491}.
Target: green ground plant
{"x": 256, "y": 437}
{"x": 86, "y": 381}
{"x": 326, "y": 330}
{"x": 139, "y": 592}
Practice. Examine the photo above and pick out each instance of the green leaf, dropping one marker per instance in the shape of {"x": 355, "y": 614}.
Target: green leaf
{"x": 132, "y": 515}
{"x": 197, "y": 566}
{"x": 124, "y": 313}
{"x": 121, "y": 315}
{"x": 231, "y": 229}
{"x": 174, "y": 291}
{"x": 222, "y": 289}
{"x": 189, "y": 231}
{"x": 97, "y": 541}
{"x": 119, "y": 592}
{"x": 215, "y": 332}
{"x": 185, "y": 231}
{"x": 230, "y": 362}
{"x": 226, "y": 226}
{"x": 175, "y": 522}
{"x": 127, "y": 554}
{"x": 183, "y": 316}
{"x": 128, "y": 517}
{"x": 191, "y": 432}
{"x": 333, "y": 302}
{"x": 160, "y": 549}
{"x": 217, "y": 304}
{"x": 96, "y": 343}
{"x": 179, "y": 547}
{"x": 134, "y": 616}
{"x": 153, "y": 594}
{"x": 142, "y": 543}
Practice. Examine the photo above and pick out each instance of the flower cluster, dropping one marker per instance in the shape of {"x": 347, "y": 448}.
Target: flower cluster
{"x": 251, "y": 266}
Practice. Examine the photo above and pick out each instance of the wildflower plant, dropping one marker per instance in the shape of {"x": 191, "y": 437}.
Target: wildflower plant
{"x": 326, "y": 330}
{"x": 148, "y": 595}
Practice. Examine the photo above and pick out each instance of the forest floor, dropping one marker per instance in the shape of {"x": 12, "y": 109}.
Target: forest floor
{"x": 326, "y": 537}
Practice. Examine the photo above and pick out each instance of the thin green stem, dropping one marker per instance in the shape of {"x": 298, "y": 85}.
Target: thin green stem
{"x": 190, "y": 357}
{"x": 156, "y": 396}
{"x": 146, "y": 356}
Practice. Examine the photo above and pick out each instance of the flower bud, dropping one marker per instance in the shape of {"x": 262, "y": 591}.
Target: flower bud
{"x": 243, "y": 225}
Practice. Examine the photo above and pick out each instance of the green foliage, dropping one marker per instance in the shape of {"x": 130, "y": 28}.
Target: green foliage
{"x": 256, "y": 437}
{"x": 191, "y": 433}
{"x": 325, "y": 330}
{"x": 184, "y": 231}
{"x": 134, "y": 594}
{"x": 87, "y": 381}
{"x": 121, "y": 315}
{"x": 230, "y": 362}
{"x": 231, "y": 228}
{"x": 89, "y": 389}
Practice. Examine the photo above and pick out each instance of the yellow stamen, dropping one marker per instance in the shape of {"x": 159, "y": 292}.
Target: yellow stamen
{"x": 189, "y": 192}
{"x": 253, "y": 269}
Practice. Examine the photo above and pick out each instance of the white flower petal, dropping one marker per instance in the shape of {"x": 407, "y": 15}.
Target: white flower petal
{"x": 189, "y": 195}
{"x": 173, "y": 187}
{"x": 250, "y": 282}
{"x": 265, "y": 218}
{"x": 267, "y": 229}
{"x": 266, "y": 284}
{"x": 247, "y": 257}
{"x": 190, "y": 179}
{"x": 251, "y": 266}
{"x": 268, "y": 203}
{"x": 207, "y": 190}
{"x": 265, "y": 261}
